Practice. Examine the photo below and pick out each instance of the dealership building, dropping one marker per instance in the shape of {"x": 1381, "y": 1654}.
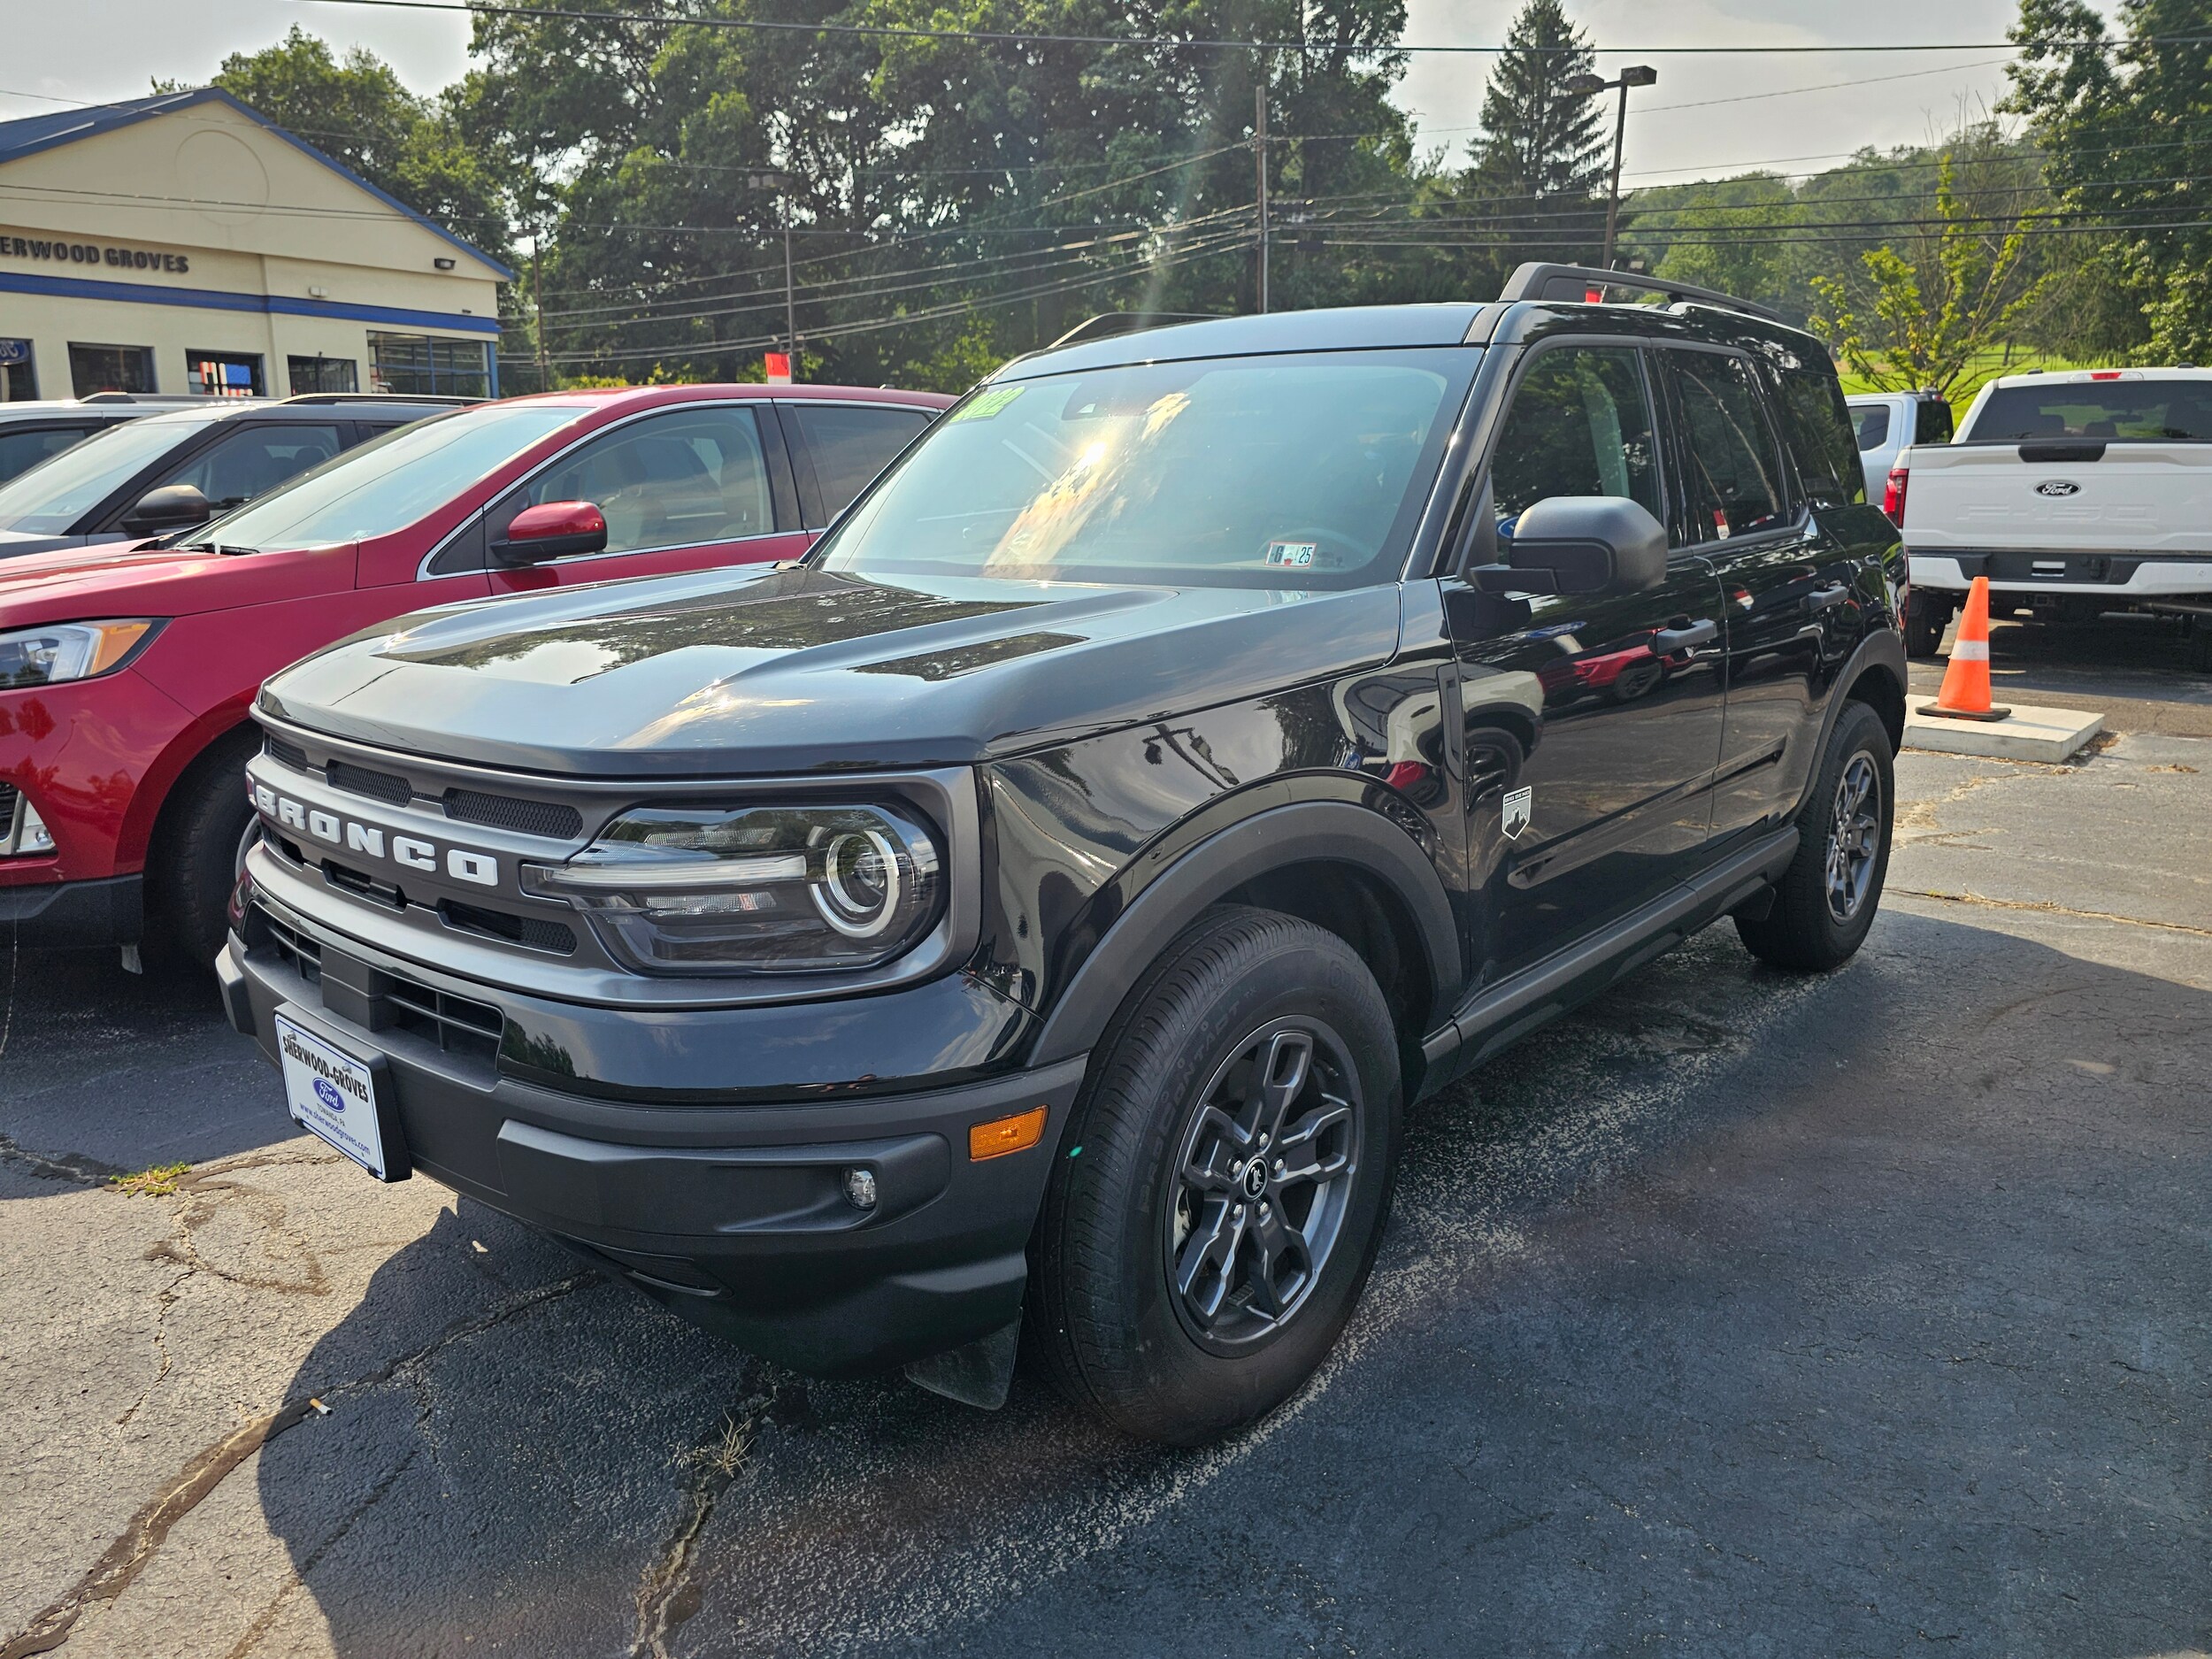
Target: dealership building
{"x": 182, "y": 243}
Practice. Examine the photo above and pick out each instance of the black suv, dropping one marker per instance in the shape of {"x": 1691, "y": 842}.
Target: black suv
{"x": 160, "y": 474}
{"x": 1028, "y": 914}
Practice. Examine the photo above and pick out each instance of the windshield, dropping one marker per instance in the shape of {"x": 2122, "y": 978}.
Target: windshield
{"x": 2120, "y": 412}
{"x": 1300, "y": 471}
{"x": 50, "y": 498}
{"x": 389, "y": 482}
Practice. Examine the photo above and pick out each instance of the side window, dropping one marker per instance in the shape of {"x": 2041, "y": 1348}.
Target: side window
{"x": 849, "y": 447}
{"x": 1933, "y": 422}
{"x": 1731, "y": 470}
{"x": 1817, "y": 423}
{"x": 1579, "y": 425}
{"x": 251, "y": 460}
{"x": 21, "y": 451}
{"x": 1873, "y": 430}
{"x": 676, "y": 480}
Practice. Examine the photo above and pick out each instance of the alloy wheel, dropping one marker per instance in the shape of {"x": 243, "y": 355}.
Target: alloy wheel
{"x": 1854, "y": 837}
{"x": 1262, "y": 1179}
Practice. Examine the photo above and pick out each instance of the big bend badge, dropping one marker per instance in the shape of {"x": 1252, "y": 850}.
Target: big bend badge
{"x": 1520, "y": 807}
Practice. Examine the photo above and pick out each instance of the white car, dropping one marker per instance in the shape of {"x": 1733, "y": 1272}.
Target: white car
{"x": 2076, "y": 495}
{"x": 1889, "y": 423}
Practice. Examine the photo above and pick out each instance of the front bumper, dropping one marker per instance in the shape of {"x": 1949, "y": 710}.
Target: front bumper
{"x": 68, "y": 915}
{"x": 730, "y": 1213}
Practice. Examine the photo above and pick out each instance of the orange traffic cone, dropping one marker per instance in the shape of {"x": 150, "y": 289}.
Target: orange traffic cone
{"x": 1965, "y": 694}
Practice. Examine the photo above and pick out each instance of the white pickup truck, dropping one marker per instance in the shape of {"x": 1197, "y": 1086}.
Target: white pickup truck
{"x": 2076, "y": 495}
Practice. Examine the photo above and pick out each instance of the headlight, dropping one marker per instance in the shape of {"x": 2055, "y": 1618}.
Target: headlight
{"x": 69, "y": 650}
{"x": 763, "y": 889}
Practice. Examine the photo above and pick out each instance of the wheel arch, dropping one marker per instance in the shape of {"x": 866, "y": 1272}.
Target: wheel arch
{"x": 1346, "y": 868}
{"x": 158, "y": 790}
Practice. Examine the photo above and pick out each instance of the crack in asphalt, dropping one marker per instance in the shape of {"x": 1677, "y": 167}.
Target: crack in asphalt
{"x": 133, "y": 1548}
{"x": 72, "y": 1167}
{"x": 667, "y": 1594}
{"x": 2047, "y": 908}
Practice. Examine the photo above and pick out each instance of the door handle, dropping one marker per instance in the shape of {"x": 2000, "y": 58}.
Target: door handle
{"x": 1826, "y": 598}
{"x": 1666, "y": 642}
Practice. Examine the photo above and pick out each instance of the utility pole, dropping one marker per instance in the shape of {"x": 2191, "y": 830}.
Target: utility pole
{"x": 790, "y": 302}
{"x": 537, "y": 304}
{"x": 1259, "y": 158}
{"x": 1587, "y": 86}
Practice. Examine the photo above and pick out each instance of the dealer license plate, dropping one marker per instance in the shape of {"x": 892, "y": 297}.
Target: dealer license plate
{"x": 333, "y": 1094}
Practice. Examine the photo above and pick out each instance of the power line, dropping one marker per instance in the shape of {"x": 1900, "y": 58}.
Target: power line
{"x": 492, "y": 8}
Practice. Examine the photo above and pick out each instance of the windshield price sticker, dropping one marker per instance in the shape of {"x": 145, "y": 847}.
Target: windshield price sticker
{"x": 983, "y": 405}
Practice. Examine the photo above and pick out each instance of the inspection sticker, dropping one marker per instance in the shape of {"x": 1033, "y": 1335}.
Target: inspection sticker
{"x": 1297, "y": 553}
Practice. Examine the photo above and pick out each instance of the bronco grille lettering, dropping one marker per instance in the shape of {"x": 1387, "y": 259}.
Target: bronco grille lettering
{"x": 410, "y": 851}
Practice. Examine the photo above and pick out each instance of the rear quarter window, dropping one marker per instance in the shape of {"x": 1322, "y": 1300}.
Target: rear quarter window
{"x": 1816, "y": 425}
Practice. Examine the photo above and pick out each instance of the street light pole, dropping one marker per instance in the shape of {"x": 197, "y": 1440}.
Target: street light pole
{"x": 1259, "y": 154}
{"x": 1588, "y": 86}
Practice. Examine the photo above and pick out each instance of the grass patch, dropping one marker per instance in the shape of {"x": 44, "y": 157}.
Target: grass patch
{"x": 158, "y": 1182}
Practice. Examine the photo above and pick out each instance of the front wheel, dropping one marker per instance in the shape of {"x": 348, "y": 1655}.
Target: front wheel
{"x": 1826, "y": 901}
{"x": 1228, "y": 1171}
{"x": 200, "y": 845}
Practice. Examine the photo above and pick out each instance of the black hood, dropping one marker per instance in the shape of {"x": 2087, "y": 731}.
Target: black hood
{"x": 798, "y": 669}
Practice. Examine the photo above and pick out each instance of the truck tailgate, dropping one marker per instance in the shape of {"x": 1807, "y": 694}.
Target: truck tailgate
{"x": 2133, "y": 498}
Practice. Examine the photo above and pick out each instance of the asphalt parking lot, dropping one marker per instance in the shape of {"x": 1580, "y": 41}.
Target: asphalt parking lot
{"x": 1739, "y": 1314}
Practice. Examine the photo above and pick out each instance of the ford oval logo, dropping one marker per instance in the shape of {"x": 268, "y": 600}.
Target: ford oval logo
{"x": 2057, "y": 487}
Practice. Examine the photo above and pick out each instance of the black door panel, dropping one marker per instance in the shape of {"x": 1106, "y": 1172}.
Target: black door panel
{"x": 1605, "y": 708}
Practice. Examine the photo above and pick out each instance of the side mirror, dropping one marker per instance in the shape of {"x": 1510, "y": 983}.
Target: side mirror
{"x": 1580, "y": 544}
{"x": 552, "y": 530}
{"x": 172, "y": 507}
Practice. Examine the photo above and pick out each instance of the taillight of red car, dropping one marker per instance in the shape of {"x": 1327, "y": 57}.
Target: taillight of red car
{"x": 1893, "y": 496}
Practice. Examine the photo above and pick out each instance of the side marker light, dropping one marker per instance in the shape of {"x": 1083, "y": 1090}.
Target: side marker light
{"x": 1003, "y": 1135}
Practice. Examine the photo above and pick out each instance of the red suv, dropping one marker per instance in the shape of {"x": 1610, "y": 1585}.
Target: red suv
{"x": 126, "y": 678}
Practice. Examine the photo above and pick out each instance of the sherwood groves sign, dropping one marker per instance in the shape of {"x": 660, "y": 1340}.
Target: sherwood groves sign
{"x": 56, "y": 251}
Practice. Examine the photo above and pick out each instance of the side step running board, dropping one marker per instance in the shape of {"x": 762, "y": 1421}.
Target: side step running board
{"x": 1499, "y": 1014}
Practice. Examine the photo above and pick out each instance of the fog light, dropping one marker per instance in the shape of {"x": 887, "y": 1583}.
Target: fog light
{"x": 29, "y": 833}
{"x": 860, "y": 1188}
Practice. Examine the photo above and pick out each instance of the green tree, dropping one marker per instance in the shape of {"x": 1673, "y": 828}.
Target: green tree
{"x": 2126, "y": 127}
{"x": 1921, "y": 320}
{"x": 1540, "y": 161}
{"x": 355, "y": 109}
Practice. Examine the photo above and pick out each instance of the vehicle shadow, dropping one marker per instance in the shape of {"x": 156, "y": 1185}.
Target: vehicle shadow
{"x": 1800, "y": 1313}
{"x": 102, "y": 1071}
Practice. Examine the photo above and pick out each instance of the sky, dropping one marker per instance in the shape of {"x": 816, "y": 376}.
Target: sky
{"x": 1707, "y": 115}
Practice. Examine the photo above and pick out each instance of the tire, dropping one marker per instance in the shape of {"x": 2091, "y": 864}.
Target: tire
{"x": 1240, "y": 990}
{"x": 1804, "y": 929}
{"x": 2200, "y": 648}
{"x": 1924, "y": 626}
{"x": 198, "y": 844}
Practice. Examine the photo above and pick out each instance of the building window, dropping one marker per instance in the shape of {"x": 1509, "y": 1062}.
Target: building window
{"x": 322, "y": 374}
{"x": 110, "y": 369}
{"x": 17, "y": 379}
{"x": 223, "y": 373}
{"x": 426, "y": 364}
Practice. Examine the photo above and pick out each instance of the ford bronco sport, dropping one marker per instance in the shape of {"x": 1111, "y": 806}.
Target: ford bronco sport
{"x": 1023, "y": 920}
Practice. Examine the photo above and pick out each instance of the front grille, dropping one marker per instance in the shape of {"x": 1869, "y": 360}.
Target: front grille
{"x": 285, "y": 753}
{"x": 363, "y": 885}
{"x": 536, "y": 932}
{"x": 303, "y": 955}
{"x": 388, "y": 787}
{"x": 549, "y": 818}
{"x": 458, "y": 1025}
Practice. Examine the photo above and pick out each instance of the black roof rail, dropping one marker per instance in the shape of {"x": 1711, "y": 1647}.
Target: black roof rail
{"x": 1107, "y": 324}
{"x": 144, "y": 398}
{"x": 1538, "y": 280}
{"x": 379, "y": 397}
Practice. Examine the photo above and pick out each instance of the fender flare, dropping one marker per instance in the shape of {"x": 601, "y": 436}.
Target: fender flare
{"x": 1299, "y": 833}
{"x": 1883, "y": 648}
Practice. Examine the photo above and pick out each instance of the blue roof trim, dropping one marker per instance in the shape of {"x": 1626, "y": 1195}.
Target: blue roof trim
{"x": 29, "y": 134}
{"x": 226, "y": 300}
